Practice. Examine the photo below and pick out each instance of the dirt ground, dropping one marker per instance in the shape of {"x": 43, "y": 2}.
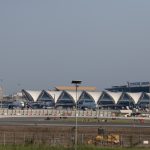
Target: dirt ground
{"x": 82, "y": 130}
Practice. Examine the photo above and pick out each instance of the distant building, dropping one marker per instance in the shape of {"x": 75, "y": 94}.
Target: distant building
{"x": 87, "y": 99}
{"x": 17, "y": 96}
{"x": 63, "y": 98}
{"x": 132, "y": 87}
{"x": 73, "y": 88}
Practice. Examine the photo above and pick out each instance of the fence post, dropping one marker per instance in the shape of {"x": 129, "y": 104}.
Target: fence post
{"x": 4, "y": 139}
{"x": 82, "y": 140}
{"x": 14, "y": 138}
{"x": 140, "y": 138}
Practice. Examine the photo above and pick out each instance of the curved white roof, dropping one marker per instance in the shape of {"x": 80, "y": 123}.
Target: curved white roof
{"x": 95, "y": 95}
{"x": 73, "y": 94}
{"x": 148, "y": 94}
{"x": 54, "y": 94}
{"x": 115, "y": 95}
{"x": 135, "y": 96}
{"x": 34, "y": 94}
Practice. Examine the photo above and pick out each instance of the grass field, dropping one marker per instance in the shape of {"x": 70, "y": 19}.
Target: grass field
{"x": 43, "y": 147}
{"x": 12, "y": 136}
{"x": 95, "y": 120}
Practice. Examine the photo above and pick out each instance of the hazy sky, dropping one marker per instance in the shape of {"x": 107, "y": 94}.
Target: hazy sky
{"x": 45, "y": 43}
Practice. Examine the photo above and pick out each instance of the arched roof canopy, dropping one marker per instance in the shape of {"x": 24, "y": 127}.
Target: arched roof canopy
{"x": 73, "y": 95}
{"x": 86, "y": 101}
{"x": 31, "y": 95}
{"x": 126, "y": 100}
{"x": 135, "y": 96}
{"x": 115, "y": 95}
{"x": 148, "y": 94}
{"x": 86, "y": 96}
{"x": 65, "y": 99}
{"x": 27, "y": 96}
{"x": 44, "y": 96}
{"x": 109, "y": 97}
{"x": 95, "y": 95}
{"x": 55, "y": 95}
{"x": 144, "y": 99}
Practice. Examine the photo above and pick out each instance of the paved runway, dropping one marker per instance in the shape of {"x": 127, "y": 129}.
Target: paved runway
{"x": 42, "y": 121}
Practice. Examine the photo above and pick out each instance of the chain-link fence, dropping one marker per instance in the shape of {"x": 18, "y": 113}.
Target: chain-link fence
{"x": 27, "y": 138}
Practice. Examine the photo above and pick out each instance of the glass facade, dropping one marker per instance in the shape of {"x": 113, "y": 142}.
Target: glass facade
{"x": 126, "y": 101}
{"x": 144, "y": 101}
{"x": 106, "y": 100}
{"x": 46, "y": 100}
{"x": 86, "y": 101}
{"x": 65, "y": 100}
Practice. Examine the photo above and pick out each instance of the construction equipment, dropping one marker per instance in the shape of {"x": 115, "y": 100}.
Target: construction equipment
{"x": 107, "y": 138}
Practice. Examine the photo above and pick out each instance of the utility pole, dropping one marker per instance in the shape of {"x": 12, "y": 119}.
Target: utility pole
{"x": 76, "y": 83}
{"x": 1, "y": 92}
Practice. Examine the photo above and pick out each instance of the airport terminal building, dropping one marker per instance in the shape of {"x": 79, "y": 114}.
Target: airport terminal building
{"x": 86, "y": 97}
{"x": 132, "y": 87}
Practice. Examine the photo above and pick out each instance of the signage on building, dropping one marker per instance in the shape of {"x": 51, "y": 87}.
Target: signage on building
{"x": 134, "y": 84}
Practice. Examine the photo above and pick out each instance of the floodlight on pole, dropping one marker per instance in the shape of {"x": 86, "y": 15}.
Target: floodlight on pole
{"x": 76, "y": 83}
